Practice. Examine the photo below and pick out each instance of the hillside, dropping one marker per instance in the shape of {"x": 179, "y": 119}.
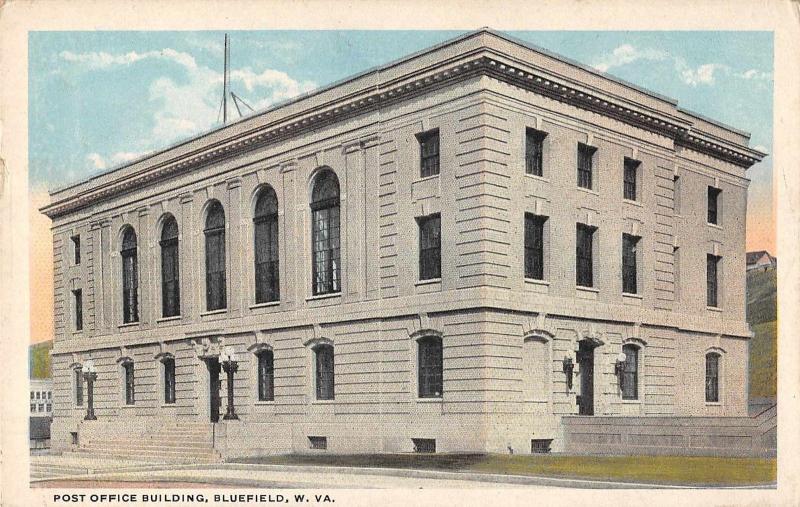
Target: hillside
{"x": 762, "y": 315}
{"x": 39, "y": 359}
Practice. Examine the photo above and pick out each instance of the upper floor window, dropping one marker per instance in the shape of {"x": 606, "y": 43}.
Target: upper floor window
{"x": 168, "y": 364}
{"x": 78, "y": 381}
{"x": 713, "y": 205}
{"x": 77, "y": 301}
{"x": 631, "y": 169}
{"x": 170, "y": 279}
{"x": 534, "y": 152}
{"x": 630, "y": 373}
{"x": 676, "y": 194}
{"x": 712, "y": 280}
{"x": 326, "y": 271}
{"x": 584, "y": 276}
{"x": 130, "y": 277}
{"x": 216, "y": 295}
{"x": 128, "y": 375}
{"x": 629, "y": 271}
{"x": 534, "y": 246}
{"x": 266, "y": 375}
{"x": 324, "y": 372}
{"x": 76, "y": 248}
{"x": 585, "y": 165}
{"x": 265, "y": 223}
{"x": 712, "y": 377}
{"x": 429, "y": 153}
{"x": 430, "y": 247}
{"x": 430, "y": 361}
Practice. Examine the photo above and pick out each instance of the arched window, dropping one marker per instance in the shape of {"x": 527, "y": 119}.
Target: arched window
{"x": 216, "y": 298}
{"x": 712, "y": 377}
{"x": 630, "y": 373}
{"x": 128, "y": 378}
{"x": 430, "y": 367}
{"x": 170, "y": 280}
{"x": 324, "y": 371}
{"x": 266, "y": 376}
{"x": 168, "y": 365}
{"x": 130, "y": 277}
{"x": 265, "y": 222}
{"x": 325, "y": 234}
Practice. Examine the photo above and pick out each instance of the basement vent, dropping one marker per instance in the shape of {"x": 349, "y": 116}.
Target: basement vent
{"x": 541, "y": 445}
{"x": 74, "y": 435}
{"x": 424, "y": 445}
{"x": 318, "y": 442}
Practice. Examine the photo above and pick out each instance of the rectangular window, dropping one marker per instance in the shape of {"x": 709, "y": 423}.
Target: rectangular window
{"x": 534, "y": 151}
{"x": 585, "y": 160}
{"x": 629, "y": 276}
{"x": 430, "y": 247}
{"x": 320, "y": 443}
{"x": 77, "y": 301}
{"x": 324, "y": 372}
{"x": 676, "y": 194}
{"x": 712, "y": 275}
{"x": 713, "y": 205}
{"x": 169, "y": 380}
{"x": 78, "y": 378}
{"x": 266, "y": 376}
{"x": 129, "y": 383}
{"x": 534, "y": 246}
{"x": 430, "y": 364}
{"x": 429, "y": 153}
{"x": 629, "y": 179}
{"x": 712, "y": 378}
{"x": 583, "y": 255}
{"x": 76, "y": 248}
{"x": 424, "y": 445}
{"x": 630, "y": 373}
{"x": 676, "y": 275}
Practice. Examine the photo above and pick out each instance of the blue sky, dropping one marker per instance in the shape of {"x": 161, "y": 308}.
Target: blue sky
{"x": 99, "y": 99}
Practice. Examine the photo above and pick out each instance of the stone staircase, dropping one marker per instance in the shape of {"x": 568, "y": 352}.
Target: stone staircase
{"x": 51, "y": 470}
{"x": 172, "y": 443}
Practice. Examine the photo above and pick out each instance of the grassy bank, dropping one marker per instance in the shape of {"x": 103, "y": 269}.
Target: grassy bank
{"x": 647, "y": 469}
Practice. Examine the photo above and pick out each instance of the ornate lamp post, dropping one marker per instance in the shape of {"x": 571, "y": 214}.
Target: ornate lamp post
{"x": 89, "y": 375}
{"x": 230, "y": 365}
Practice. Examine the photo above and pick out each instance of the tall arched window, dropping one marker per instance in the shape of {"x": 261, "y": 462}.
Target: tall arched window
{"x": 216, "y": 298}
{"x": 266, "y": 375}
{"x": 430, "y": 367}
{"x": 130, "y": 277}
{"x": 128, "y": 377}
{"x": 712, "y": 377}
{"x": 170, "y": 280}
{"x": 265, "y": 223}
{"x": 324, "y": 371}
{"x": 630, "y": 373}
{"x": 325, "y": 234}
{"x": 168, "y": 365}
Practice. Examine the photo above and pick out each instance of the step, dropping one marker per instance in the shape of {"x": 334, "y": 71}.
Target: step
{"x": 154, "y": 458}
{"x": 57, "y": 469}
{"x": 147, "y": 445}
{"x": 152, "y": 451}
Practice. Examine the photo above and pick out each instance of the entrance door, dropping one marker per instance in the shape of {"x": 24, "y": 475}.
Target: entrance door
{"x": 213, "y": 388}
{"x": 585, "y": 359}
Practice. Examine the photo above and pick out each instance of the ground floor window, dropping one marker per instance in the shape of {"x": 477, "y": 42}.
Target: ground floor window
{"x": 712, "y": 377}
{"x": 266, "y": 376}
{"x": 128, "y": 376}
{"x": 169, "y": 380}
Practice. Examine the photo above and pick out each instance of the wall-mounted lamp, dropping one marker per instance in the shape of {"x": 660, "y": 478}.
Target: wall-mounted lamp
{"x": 619, "y": 369}
{"x": 568, "y": 366}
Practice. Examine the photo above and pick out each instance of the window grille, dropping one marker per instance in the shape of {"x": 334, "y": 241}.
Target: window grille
{"x": 430, "y": 364}
{"x": 584, "y": 265}
{"x": 265, "y": 223}
{"x": 170, "y": 279}
{"x": 325, "y": 234}
{"x": 424, "y": 445}
{"x": 534, "y": 246}
{"x": 320, "y": 443}
{"x": 430, "y": 247}
{"x": 130, "y": 277}
{"x": 429, "y": 153}
{"x": 216, "y": 291}
{"x": 324, "y": 372}
{"x": 534, "y": 150}
{"x": 541, "y": 445}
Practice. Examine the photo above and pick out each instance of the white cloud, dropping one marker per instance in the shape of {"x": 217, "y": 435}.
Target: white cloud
{"x": 625, "y": 54}
{"x": 103, "y": 60}
{"x": 96, "y": 160}
{"x": 761, "y": 148}
{"x": 124, "y": 156}
{"x": 755, "y": 75}
{"x": 704, "y": 74}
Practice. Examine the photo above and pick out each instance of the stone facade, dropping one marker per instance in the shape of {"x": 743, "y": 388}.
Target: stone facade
{"x": 481, "y": 91}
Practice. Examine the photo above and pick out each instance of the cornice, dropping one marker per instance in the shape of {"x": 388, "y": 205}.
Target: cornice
{"x": 481, "y": 62}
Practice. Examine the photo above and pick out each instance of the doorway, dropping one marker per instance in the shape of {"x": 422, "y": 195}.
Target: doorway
{"x": 213, "y": 388}
{"x": 585, "y": 358}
